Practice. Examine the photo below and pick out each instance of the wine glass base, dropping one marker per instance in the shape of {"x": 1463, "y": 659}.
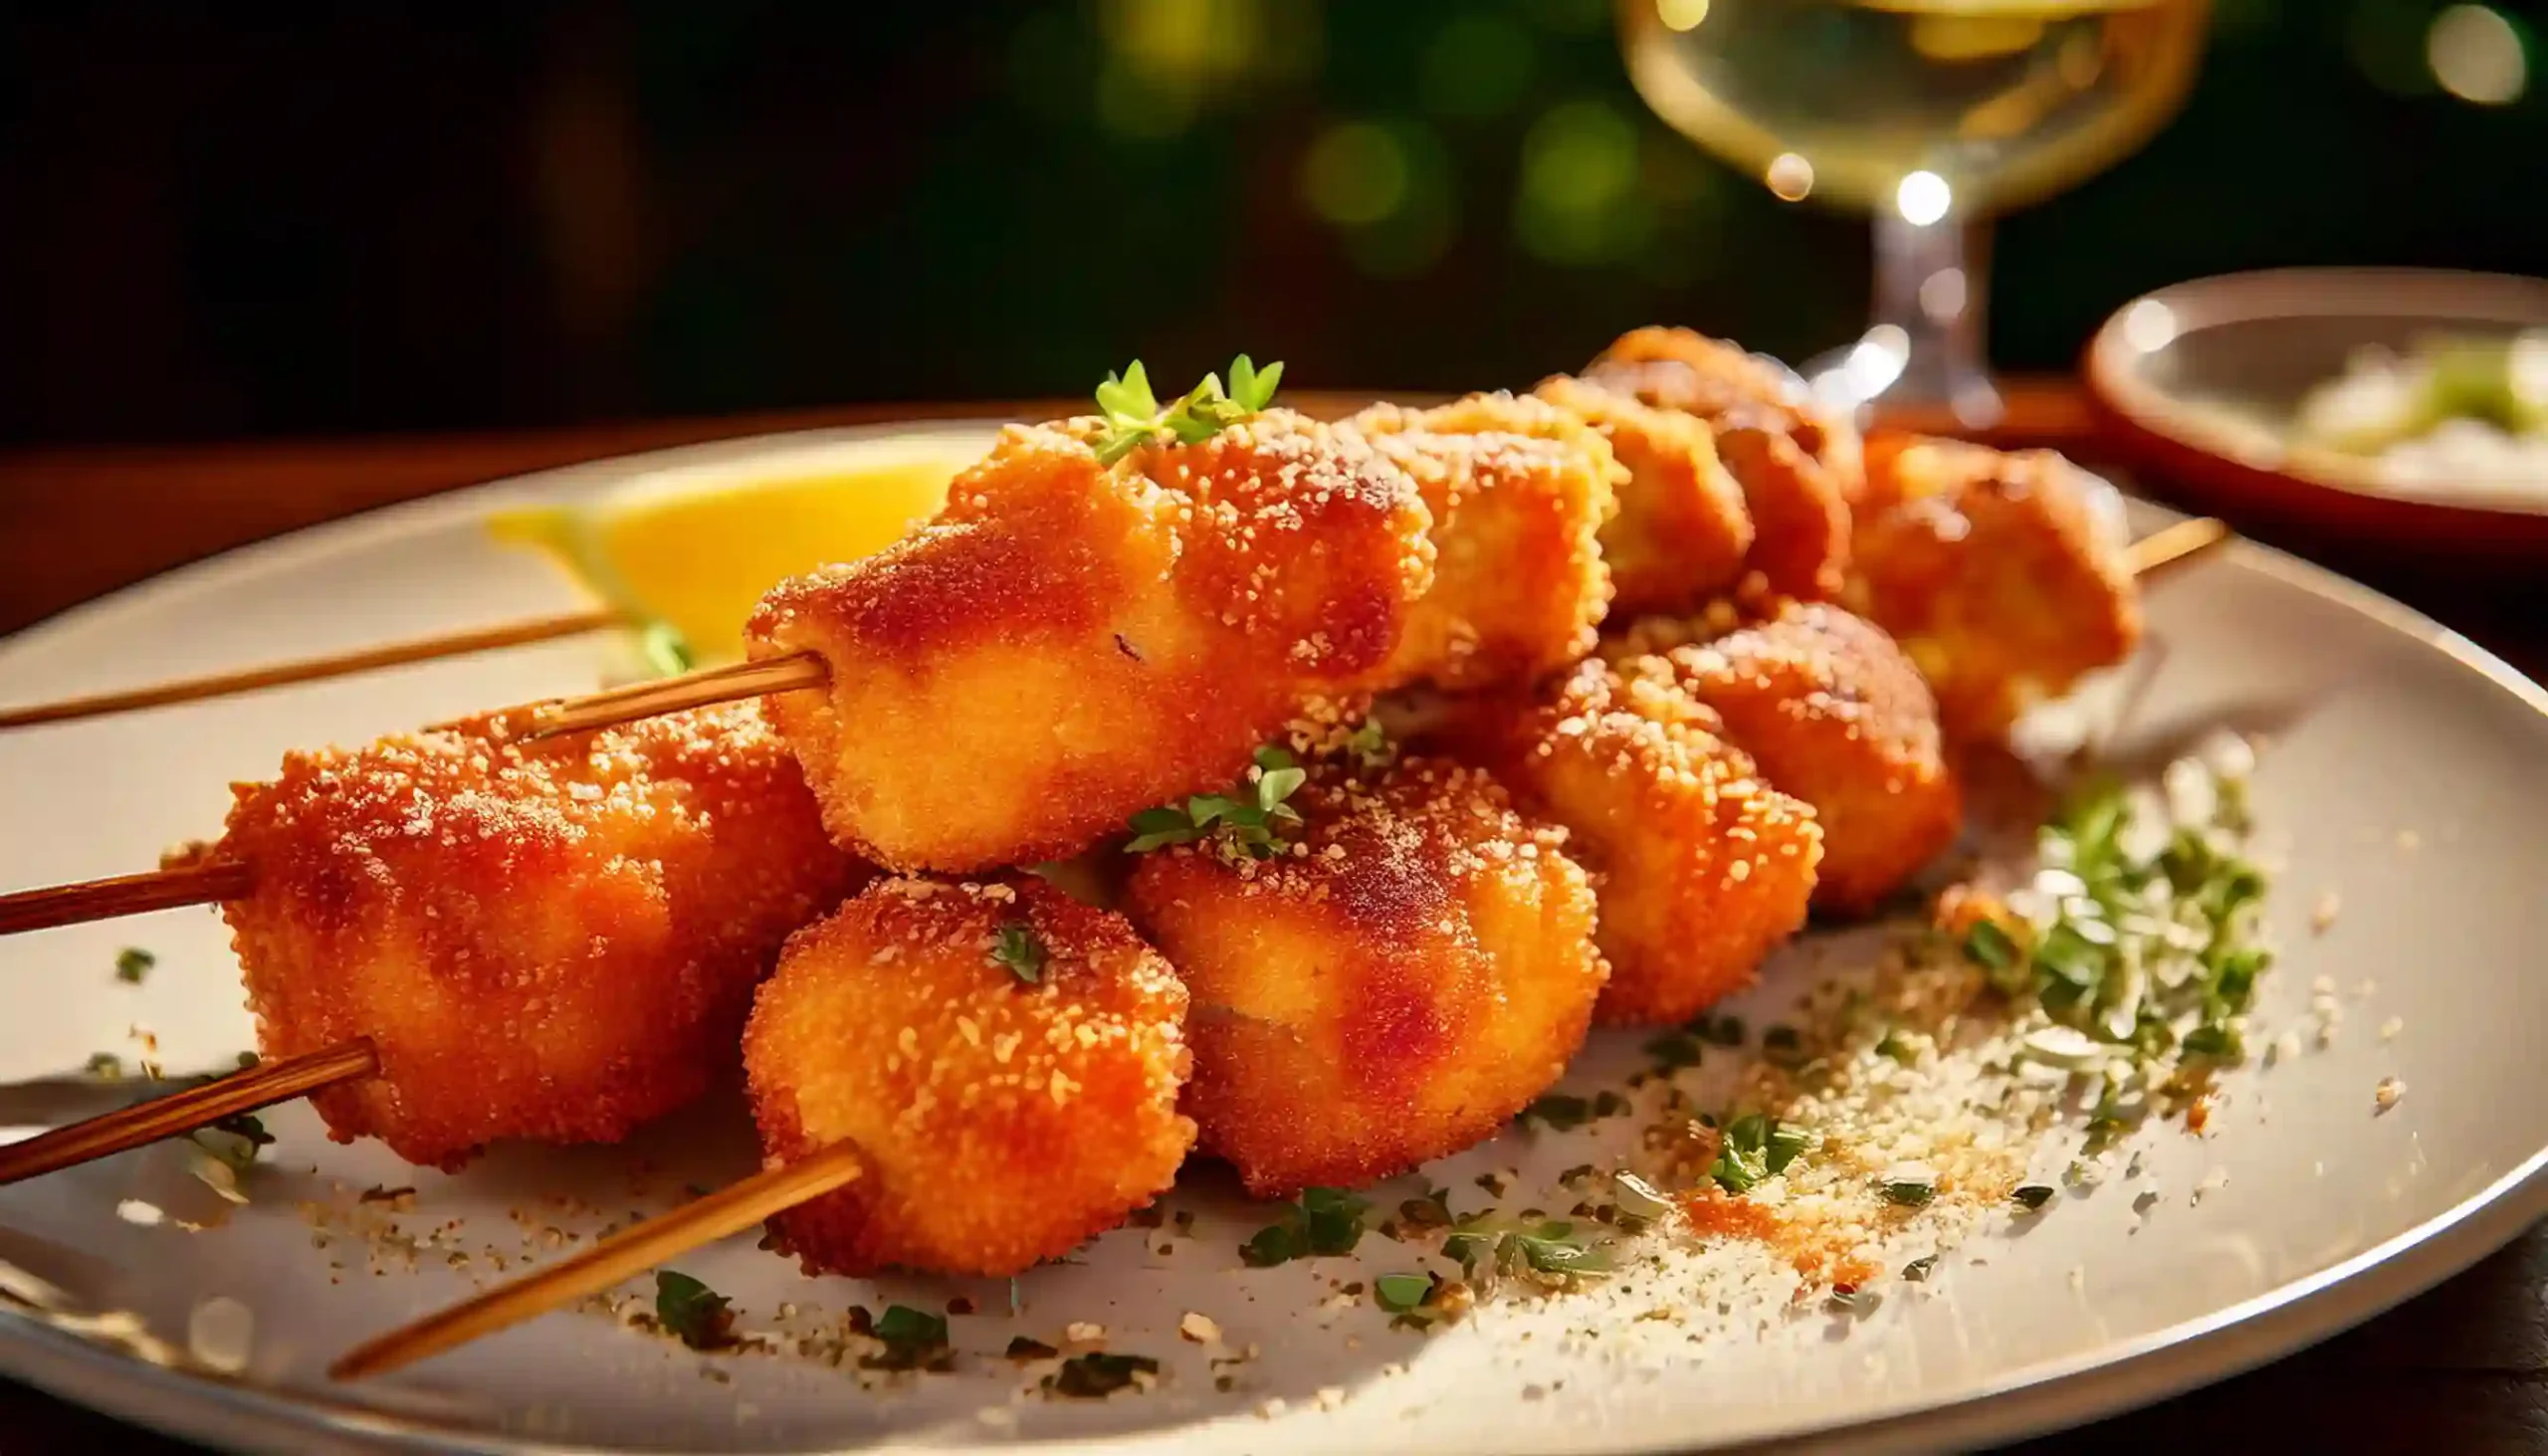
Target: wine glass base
{"x": 1881, "y": 372}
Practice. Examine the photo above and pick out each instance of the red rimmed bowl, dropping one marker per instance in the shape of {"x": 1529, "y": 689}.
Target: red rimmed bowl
{"x": 2192, "y": 381}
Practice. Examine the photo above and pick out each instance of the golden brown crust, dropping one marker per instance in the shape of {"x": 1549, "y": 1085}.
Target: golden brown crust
{"x": 554, "y": 940}
{"x": 1834, "y": 713}
{"x": 1990, "y": 569}
{"x": 1701, "y": 867}
{"x": 1070, "y": 643}
{"x": 1682, "y": 532}
{"x": 1394, "y": 990}
{"x": 1728, "y": 379}
{"x": 1518, "y": 494}
{"x": 1798, "y": 465}
{"x": 999, "y": 1122}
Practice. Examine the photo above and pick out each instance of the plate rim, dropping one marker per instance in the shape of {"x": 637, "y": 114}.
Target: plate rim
{"x": 2029, "y": 1400}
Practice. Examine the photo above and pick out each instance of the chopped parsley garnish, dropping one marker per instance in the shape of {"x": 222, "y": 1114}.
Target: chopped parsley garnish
{"x": 1415, "y": 1301}
{"x": 1852, "y": 1300}
{"x": 1674, "y": 1050}
{"x": 2215, "y": 1039}
{"x": 1133, "y": 417}
{"x": 2145, "y": 948}
{"x": 1488, "y": 1244}
{"x": 1369, "y": 745}
{"x": 1562, "y": 1112}
{"x": 235, "y": 1140}
{"x": 1433, "y": 1210}
{"x": 2033, "y": 1196}
{"x": 1639, "y": 1198}
{"x": 1018, "y": 949}
{"x": 1325, "y": 1221}
{"x": 1781, "y": 1046}
{"x": 914, "y": 1339}
{"x": 1400, "y": 1293}
{"x": 132, "y": 963}
{"x": 1752, "y": 1147}
{"x": 692, "y": 1310}
{"x": 1910, "y": 1192}
{"x": 1724, "y": 1031}
{"x": 1245, "y": 823}
{"x": 664, "y": 650}
{"x": 1098, "y": 1375}
{"x": 104, "y": 1064}
{"x": 1990, "y": 948}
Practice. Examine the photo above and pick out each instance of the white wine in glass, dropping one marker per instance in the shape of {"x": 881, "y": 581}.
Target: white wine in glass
{"x": 1932, "y": 114}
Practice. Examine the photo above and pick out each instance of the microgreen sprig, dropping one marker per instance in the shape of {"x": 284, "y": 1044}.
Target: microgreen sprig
{"x": 1247, "y": 822}
{"x": 1018, "y": 949}
{"x": 691, "y": 1310}
{"x": 1133, "y": 417}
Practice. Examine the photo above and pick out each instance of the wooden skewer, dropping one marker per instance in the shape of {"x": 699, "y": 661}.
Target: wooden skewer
{"x": 103, "y": 900}
{"x": 2153, "y": 552}
{"x": 671, "y": 695}
{"x": 183, "y": 1111}
{"x": 2161, "y": 551}
{"x": 311, "y": 670}
{"x": 2174, "y": 546}
{"x": 618, "y": 1257}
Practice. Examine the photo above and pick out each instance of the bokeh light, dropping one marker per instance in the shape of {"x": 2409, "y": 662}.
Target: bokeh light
{"x": 1166, "y": 60}
{"x": 1790, "y": 177}
{"x": 1355, "y": 174}
{"x": 1386, "y": 186}
{"x": 1578, "y": 202}
{"x": 2149, "y": 325}
{"x": 2476, "y": 55}
{"x": 1681, "y": 15}
{"x": 1923, "y": 198}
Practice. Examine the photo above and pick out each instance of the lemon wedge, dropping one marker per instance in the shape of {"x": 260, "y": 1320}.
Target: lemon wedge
{"x": 693, "y": 548}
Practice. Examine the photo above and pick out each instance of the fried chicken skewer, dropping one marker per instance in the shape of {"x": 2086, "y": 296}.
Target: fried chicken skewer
{"x": 1004, "y": 1065}
{"x": 967, "y": 1077}
{"x": 470, "y": 940}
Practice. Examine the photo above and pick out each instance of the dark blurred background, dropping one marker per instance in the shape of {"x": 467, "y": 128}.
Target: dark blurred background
{"x": 219, "y": 220}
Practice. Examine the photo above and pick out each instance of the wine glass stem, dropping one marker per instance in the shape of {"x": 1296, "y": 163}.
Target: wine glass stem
{"x": 1932, "y": 282}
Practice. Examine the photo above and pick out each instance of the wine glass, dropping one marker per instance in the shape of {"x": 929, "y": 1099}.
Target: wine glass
{"x": 1931, "y": 113}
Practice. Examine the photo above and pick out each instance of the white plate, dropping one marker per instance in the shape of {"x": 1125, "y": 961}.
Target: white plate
{"x": 2402, "y": 773}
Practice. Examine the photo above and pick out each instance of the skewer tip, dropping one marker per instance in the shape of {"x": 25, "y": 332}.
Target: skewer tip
{"x": 728, "y": 1211}
{"x": 2175, "y": 545}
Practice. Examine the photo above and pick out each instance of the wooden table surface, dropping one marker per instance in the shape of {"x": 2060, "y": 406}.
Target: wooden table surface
{"x": 2463, "y": 1367}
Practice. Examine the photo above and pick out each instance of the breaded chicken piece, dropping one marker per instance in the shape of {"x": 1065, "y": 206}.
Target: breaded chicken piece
{"x": 1681, "y": 533}
{"x": 1391, "y": 992}
{"x": 1518, "y": 493}
{"x": 553, "y": 940}
{"x": 1071, "y": 642}
{"x": 1797, "y": 466}
{"x": 1729, "y": 378}
{"x": 1006, "y": 1059}
{"x": 1995, "y": 572}
{"x": 1835, "y": 715}
{"x": 1701, "y": 867}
